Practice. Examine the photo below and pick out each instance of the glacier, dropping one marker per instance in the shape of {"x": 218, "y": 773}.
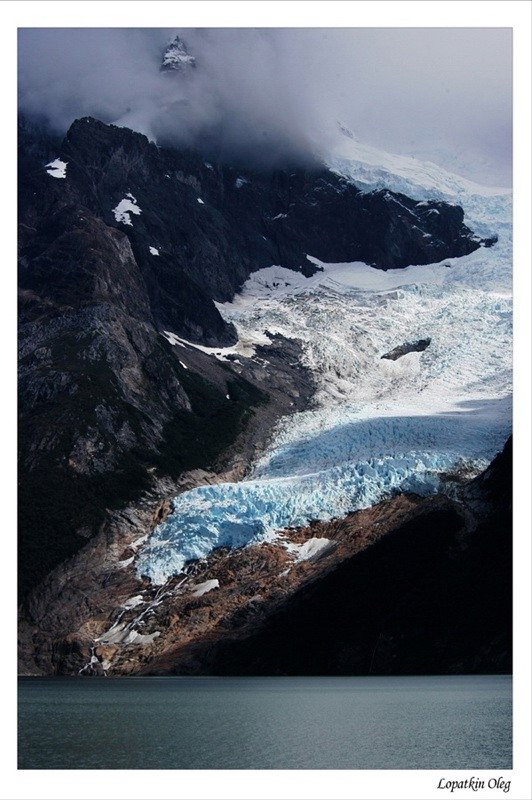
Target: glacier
{"x": 377, "y": 427}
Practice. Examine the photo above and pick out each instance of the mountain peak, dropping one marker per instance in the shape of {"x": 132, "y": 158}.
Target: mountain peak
{"x": 176, "y": 57}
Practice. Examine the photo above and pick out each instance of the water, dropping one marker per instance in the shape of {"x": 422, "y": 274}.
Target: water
{"x": 454, "y": 722}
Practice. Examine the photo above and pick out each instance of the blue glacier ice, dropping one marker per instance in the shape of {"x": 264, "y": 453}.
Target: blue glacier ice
{"x": 283, "y": 493}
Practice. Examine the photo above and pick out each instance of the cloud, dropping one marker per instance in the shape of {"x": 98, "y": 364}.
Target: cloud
{"x": 274, "y": 94}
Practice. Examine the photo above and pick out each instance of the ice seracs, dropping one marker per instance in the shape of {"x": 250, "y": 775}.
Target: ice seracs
{"x": 372, "y": 169}
{"x": 207, "y": 586}
{"x": 321, "y": 475}
{"x": 176, "y": 57}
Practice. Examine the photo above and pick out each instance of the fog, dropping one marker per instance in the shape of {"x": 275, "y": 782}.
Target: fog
{"x": 270, "y": 95}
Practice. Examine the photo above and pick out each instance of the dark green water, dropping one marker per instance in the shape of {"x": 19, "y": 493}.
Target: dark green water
{"x": 457, "y": 722}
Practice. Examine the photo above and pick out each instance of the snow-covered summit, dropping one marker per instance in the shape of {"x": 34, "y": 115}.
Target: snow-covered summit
{"x": 176, "y": 57}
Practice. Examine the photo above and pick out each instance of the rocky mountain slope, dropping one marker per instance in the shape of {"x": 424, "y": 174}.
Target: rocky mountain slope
{"x": 121, "y": 240}
{"x": 408, "y": 586}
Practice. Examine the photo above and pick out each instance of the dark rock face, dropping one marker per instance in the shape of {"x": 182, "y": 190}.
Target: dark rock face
{"x": 408, "y": 347}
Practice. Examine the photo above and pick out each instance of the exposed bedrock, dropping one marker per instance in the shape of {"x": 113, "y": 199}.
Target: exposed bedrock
{"x": 408, "y": 347}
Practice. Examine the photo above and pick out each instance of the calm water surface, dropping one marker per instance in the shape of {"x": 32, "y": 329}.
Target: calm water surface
{"x": 458, "y": 722}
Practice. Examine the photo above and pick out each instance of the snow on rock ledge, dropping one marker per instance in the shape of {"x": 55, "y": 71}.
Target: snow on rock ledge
{"x": 125, "y": 208}
{"x": 57, "y": 168}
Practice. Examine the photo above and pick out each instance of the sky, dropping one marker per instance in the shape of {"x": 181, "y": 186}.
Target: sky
{"x": 270, "y": 95}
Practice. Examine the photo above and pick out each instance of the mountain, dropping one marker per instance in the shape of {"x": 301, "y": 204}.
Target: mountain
{"x": 245, "y": 396}
{"x": 121, "y": 240}
{"x": 176, "y": 57}
{"x": 407, "y": 586}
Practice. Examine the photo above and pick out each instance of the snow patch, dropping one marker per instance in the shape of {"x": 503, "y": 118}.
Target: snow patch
{"x": 312, "y": 549}
{"x": 57, "y": 168}
{"x": 133, "y": 602}
{"x": 114, "y": 635}
{"x": 137, "y": 543}
{"x": 202, "y": 588}
{"x": 244, "y": 347}
{"x": 153, "y": 251}
{"x": 122, "y": 634}
{"x": 125, "y": 208}
{"x": 201, "y": 201}
{"x": 134, "y": 637}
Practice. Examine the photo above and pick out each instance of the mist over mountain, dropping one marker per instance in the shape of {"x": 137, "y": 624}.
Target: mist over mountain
{"x": 274, "y": 96}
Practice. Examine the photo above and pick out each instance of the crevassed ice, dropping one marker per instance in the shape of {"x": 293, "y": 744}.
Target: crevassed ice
{"x": 378, "y": 426}
{"x": 351, "y": 471}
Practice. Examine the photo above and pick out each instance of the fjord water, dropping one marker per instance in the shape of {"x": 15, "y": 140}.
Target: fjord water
{"x": 426, "y": 722}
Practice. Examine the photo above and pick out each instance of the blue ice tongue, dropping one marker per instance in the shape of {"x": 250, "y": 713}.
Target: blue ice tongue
{"x": 236, "y": 514}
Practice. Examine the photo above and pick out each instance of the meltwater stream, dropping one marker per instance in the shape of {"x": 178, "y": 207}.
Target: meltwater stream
{"x": 378, "y": 426}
